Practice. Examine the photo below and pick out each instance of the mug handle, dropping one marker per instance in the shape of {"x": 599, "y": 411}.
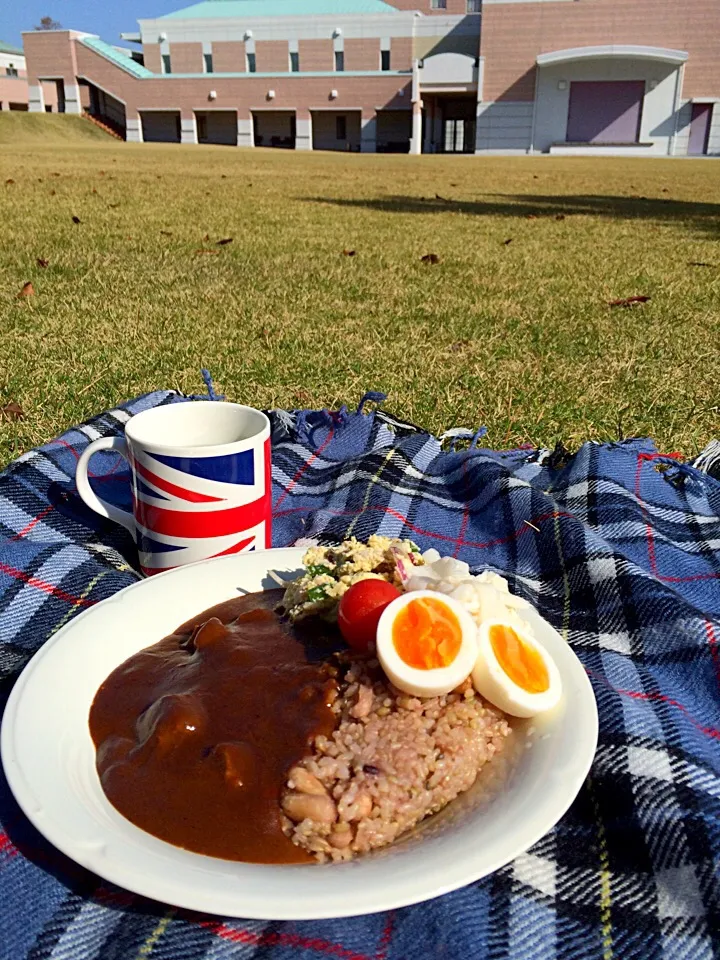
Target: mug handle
{"x": 102, "y": 507}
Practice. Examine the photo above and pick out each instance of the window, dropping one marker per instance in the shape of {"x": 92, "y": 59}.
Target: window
{"x": 341, "y": 128}
{"x": 384, "y": 59}
{"x": 294, "y": 62}
{"x": 166, "y": 66}
{"x": 207, "y": 57}
{"x": 473, "y": 6}
{"x": 250, "y": 62}
{"x": 11, "y": 71}
{"x": 339, "y": 61}
{"x": 438, "y": 4}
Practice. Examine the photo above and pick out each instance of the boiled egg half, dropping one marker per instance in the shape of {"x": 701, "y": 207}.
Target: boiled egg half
{"x": 426, "y": 643}
{"x": 513, "y": 671}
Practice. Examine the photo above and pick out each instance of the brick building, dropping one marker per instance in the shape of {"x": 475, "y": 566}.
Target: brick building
{"x": 631, "y": 77}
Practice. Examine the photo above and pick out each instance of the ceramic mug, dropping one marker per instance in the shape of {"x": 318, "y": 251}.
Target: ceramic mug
{"x": 200, "y": 476}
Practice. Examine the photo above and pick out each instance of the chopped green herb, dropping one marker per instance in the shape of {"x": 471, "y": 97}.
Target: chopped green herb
{"x": 317, "y": 569}
{"x": 317, "y": 593}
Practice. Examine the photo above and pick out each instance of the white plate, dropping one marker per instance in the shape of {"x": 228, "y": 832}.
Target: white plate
{"x": 49, "y": 761}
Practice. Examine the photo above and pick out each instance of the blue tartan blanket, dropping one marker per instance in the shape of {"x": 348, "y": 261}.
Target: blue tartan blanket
{"x": 617, "y": 546}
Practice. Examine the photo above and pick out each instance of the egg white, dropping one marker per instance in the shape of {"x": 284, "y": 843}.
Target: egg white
{"x": 492, "y": 683}
{"x": 439, "y": 680}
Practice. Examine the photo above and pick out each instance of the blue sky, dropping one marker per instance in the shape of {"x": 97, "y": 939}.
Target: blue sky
{"x": 108, "y": 18}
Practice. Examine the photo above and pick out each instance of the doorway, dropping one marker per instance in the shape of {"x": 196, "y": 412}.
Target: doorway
{"x": 606, "y": 111}
{"x": 699, "y": 129}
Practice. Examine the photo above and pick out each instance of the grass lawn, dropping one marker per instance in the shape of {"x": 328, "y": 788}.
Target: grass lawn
{"x": 514, "y": 335}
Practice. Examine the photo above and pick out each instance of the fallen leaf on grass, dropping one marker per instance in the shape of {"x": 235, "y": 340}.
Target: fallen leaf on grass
{"x": 27, "y": 291}
{"x": 223, "y": 243}
{"x": 114, "y": 206}
{"x": 10, "y": 180}
{"x": 530, "y": 216}
{"x": 459, "y": 345}
{"x": 93, "y": 190}
{"x": 40, "y": 179}
{"x": 535, "y": 177}
{"x": 55, "y": 174}
{"x": 53, "y": 192}
{"x": 349, "y": 253}
{"x": 665, "y": 190}
{"x": 559, "y": 216}
{"x": 76, "y": 220}
{"x": 206, "y": 237}
{"x": 207, "y": 251}
{"x": 166, "y": 233}
{"x": 42, "y": 262}
{"x": 301, "y": 396}
{"x": 223, "y": 176}
{"x": 12, "y": 411}
{"x": 430, "y": 258}
{"x": 628, "y": 301}
{"x": 508, "y": 241}
{"x": 700, "y": 263}
{"x": 102, "y": 173}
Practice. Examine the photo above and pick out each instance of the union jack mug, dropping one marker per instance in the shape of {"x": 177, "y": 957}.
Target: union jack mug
{"x": 200, "y": 476}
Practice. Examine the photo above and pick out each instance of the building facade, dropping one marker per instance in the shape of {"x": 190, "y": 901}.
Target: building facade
{"x": 14, "y": 91}
{"x": 630, "y": 77}
{"x": 13, "y": 78}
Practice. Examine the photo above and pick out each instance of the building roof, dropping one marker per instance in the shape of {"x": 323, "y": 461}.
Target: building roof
{"x": 6, "y": 48}
{"x": 211, "y": 9}
{"x": 115, "y": 56}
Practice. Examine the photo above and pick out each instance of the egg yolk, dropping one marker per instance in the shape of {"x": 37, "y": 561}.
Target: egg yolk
{"x": 523, "y": 665}
{"x": 427, "y": 634}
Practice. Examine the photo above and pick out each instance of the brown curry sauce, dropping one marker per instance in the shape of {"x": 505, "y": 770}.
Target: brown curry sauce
{"x": 196, "y": 734}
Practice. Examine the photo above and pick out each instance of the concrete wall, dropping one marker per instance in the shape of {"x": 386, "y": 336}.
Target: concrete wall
{"x": 714, "y": 138}
{"x": 198, "y": 30}
{"x": 658, "y": 119}
{"x": 513, "y": 34}
{"x": 446, "y": 35}
{"x": 324, "y": 130}
{"x": 682, "y": 138}
{"x": 504, "y": 126}
{"x": 457, "y": 7}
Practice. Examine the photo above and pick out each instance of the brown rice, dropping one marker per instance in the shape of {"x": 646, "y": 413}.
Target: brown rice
{"x": 393, "y": 760}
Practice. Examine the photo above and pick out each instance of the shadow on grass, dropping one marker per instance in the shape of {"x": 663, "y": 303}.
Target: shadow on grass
{"x": 704, "y": 217}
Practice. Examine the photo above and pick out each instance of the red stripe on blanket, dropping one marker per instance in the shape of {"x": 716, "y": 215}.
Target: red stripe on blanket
{"x": 272, "y": 938}
{"x": 45, "y": 587}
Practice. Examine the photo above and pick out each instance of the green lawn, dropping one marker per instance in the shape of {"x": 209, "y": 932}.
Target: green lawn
{"x": 515, "y": 336}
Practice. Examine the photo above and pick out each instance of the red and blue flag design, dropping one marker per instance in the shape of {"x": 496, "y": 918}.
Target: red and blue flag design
{"x": 194, "y": 508}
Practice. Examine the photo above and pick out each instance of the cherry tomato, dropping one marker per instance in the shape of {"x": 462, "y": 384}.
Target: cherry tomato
{"x": 360, "y": 609}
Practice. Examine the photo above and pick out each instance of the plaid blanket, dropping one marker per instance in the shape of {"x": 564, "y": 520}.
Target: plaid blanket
{"x": 617, "y": 546}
